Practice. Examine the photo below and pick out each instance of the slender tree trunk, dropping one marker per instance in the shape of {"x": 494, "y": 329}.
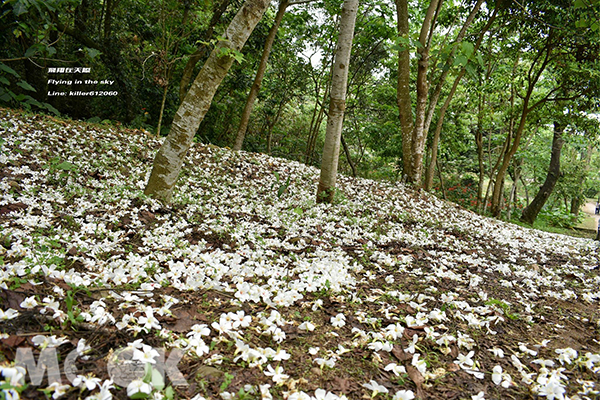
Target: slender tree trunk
{"x": 403, "y": 88}
{"x": 441, "y": 177}
{"x": 419, "y": 135}
{"x": 532, "y": 79}
{"x": 169, "y": 159}
{"x": 526, "y": 190}
{"x": 438, "y": 131}
{"x": 531, "y": 212}
{"x": 438, "y": 89}
{"x": 316, "y": 127}
{"x": 260, "y": 73}
{"x": 188, "y": 70}
{"x": 435, "y": 95}
{"x": 348, "y": 158}
{"x": 162, "y": 108}
{"x": 513, "y": 191}
{"x": 272, "y": 126}
{"x": 576, "y": 201}
{"x": 315, "y": 124}
{"x": 108, "y": 19}
{"x": 337, "y": 103}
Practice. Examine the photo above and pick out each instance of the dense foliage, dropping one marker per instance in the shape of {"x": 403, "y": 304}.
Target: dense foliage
{"x": 517, "y": 68}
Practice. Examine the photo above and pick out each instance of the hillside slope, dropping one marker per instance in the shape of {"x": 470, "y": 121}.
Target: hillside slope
{"x": 388, "y": 293}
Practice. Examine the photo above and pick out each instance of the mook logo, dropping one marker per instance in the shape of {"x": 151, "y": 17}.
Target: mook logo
{"x": 138, "y": 367}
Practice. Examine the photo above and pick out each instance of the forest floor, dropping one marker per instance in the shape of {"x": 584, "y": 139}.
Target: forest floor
{"x": 253, "y": 291}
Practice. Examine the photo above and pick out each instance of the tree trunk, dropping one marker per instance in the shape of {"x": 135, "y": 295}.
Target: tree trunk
{"x": 337, "y": 103}
{"x": 188, "y": 70}
{"x": 438, "y": 131}
{"x": 438, "y": 89}
{"x": 439, "y": 169}
{"x": 419, "y": 135}
{"x": 348, "y": 158}
{"x": 531, "y": 212}
{"x": 532, "y": 79}
{"x": 272, "y": 125}
{"x": 108, "y": 19}
{"x": 403, "y": 88}
{"x": 512, "y": 198}
{"x": 162, "y": 108}
{"x": 435, "y": 95}
{"x": 260, "y": 73}
{"x": 169, "y": 159}
{"x": 526, "y": 190}
{"x": 577, "y": 199}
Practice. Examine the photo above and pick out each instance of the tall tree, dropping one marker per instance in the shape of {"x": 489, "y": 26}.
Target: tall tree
{"x": 169, "y": 159}
{"x": 337, "y": 103}
{"x": 531, "y": 212}
{"x": 413, "y": 133}
{"x": 260, "y": 73}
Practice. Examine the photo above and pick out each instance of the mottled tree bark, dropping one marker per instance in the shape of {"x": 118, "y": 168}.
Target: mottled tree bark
{"x": 337, "y": 103}
{"x": 531, "y": 212}
{"x": 169, "y": 159}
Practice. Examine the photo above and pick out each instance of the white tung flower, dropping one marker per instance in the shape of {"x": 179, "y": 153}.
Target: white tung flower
{"x": 8, "y": 314}
{"x": 338, "y": 321}
{"x": 89, "y": 382}
{"x": 29, "y": 303}
{"x": 276, "y": 374}
{"x": 566, "y": 355}
{"x": 395, "y": 368}
{"x": 552, "y": 390}
{"x": 306, "y": 326}
{"x": 478, "y": 396}
{"x": 146, "y": 355}
{"x": 404, "y": 395}
{"x": 375, "y": 387}
{"x": 138, "y": 386}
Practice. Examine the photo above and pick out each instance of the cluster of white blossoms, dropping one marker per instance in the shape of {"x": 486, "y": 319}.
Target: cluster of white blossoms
{"x": 408, "y": 273}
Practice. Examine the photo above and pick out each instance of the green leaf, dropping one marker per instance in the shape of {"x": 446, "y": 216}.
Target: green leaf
{"x": 51, "y": 108}
{"x": 298, "y": 211}
{"x": 169, "y": 393}
{"x": 467, "y": 49}
{"x": 20, "y": 7}
{"x": 92, "y": 52}
{"x": 283, "y": 187}
{"x": 472, "y": 71}
{"x": 139, "y": 395}
{"x": 9, "y": 70}
{"x": 461, "y": 60}
{"x": 32, "y": 50}
{"x": 6, "y": 95}
{"x": 26, "y": 86}
{"x": 580, "y": 4}
{"x": 66, "y": 166}
{"x": 157, "y": 380}
{"x": 480, "y": 60}
{"x": 4, "y": 81}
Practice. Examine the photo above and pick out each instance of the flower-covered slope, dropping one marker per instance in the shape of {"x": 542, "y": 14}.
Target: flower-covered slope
{"x": 388, "y": 293}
